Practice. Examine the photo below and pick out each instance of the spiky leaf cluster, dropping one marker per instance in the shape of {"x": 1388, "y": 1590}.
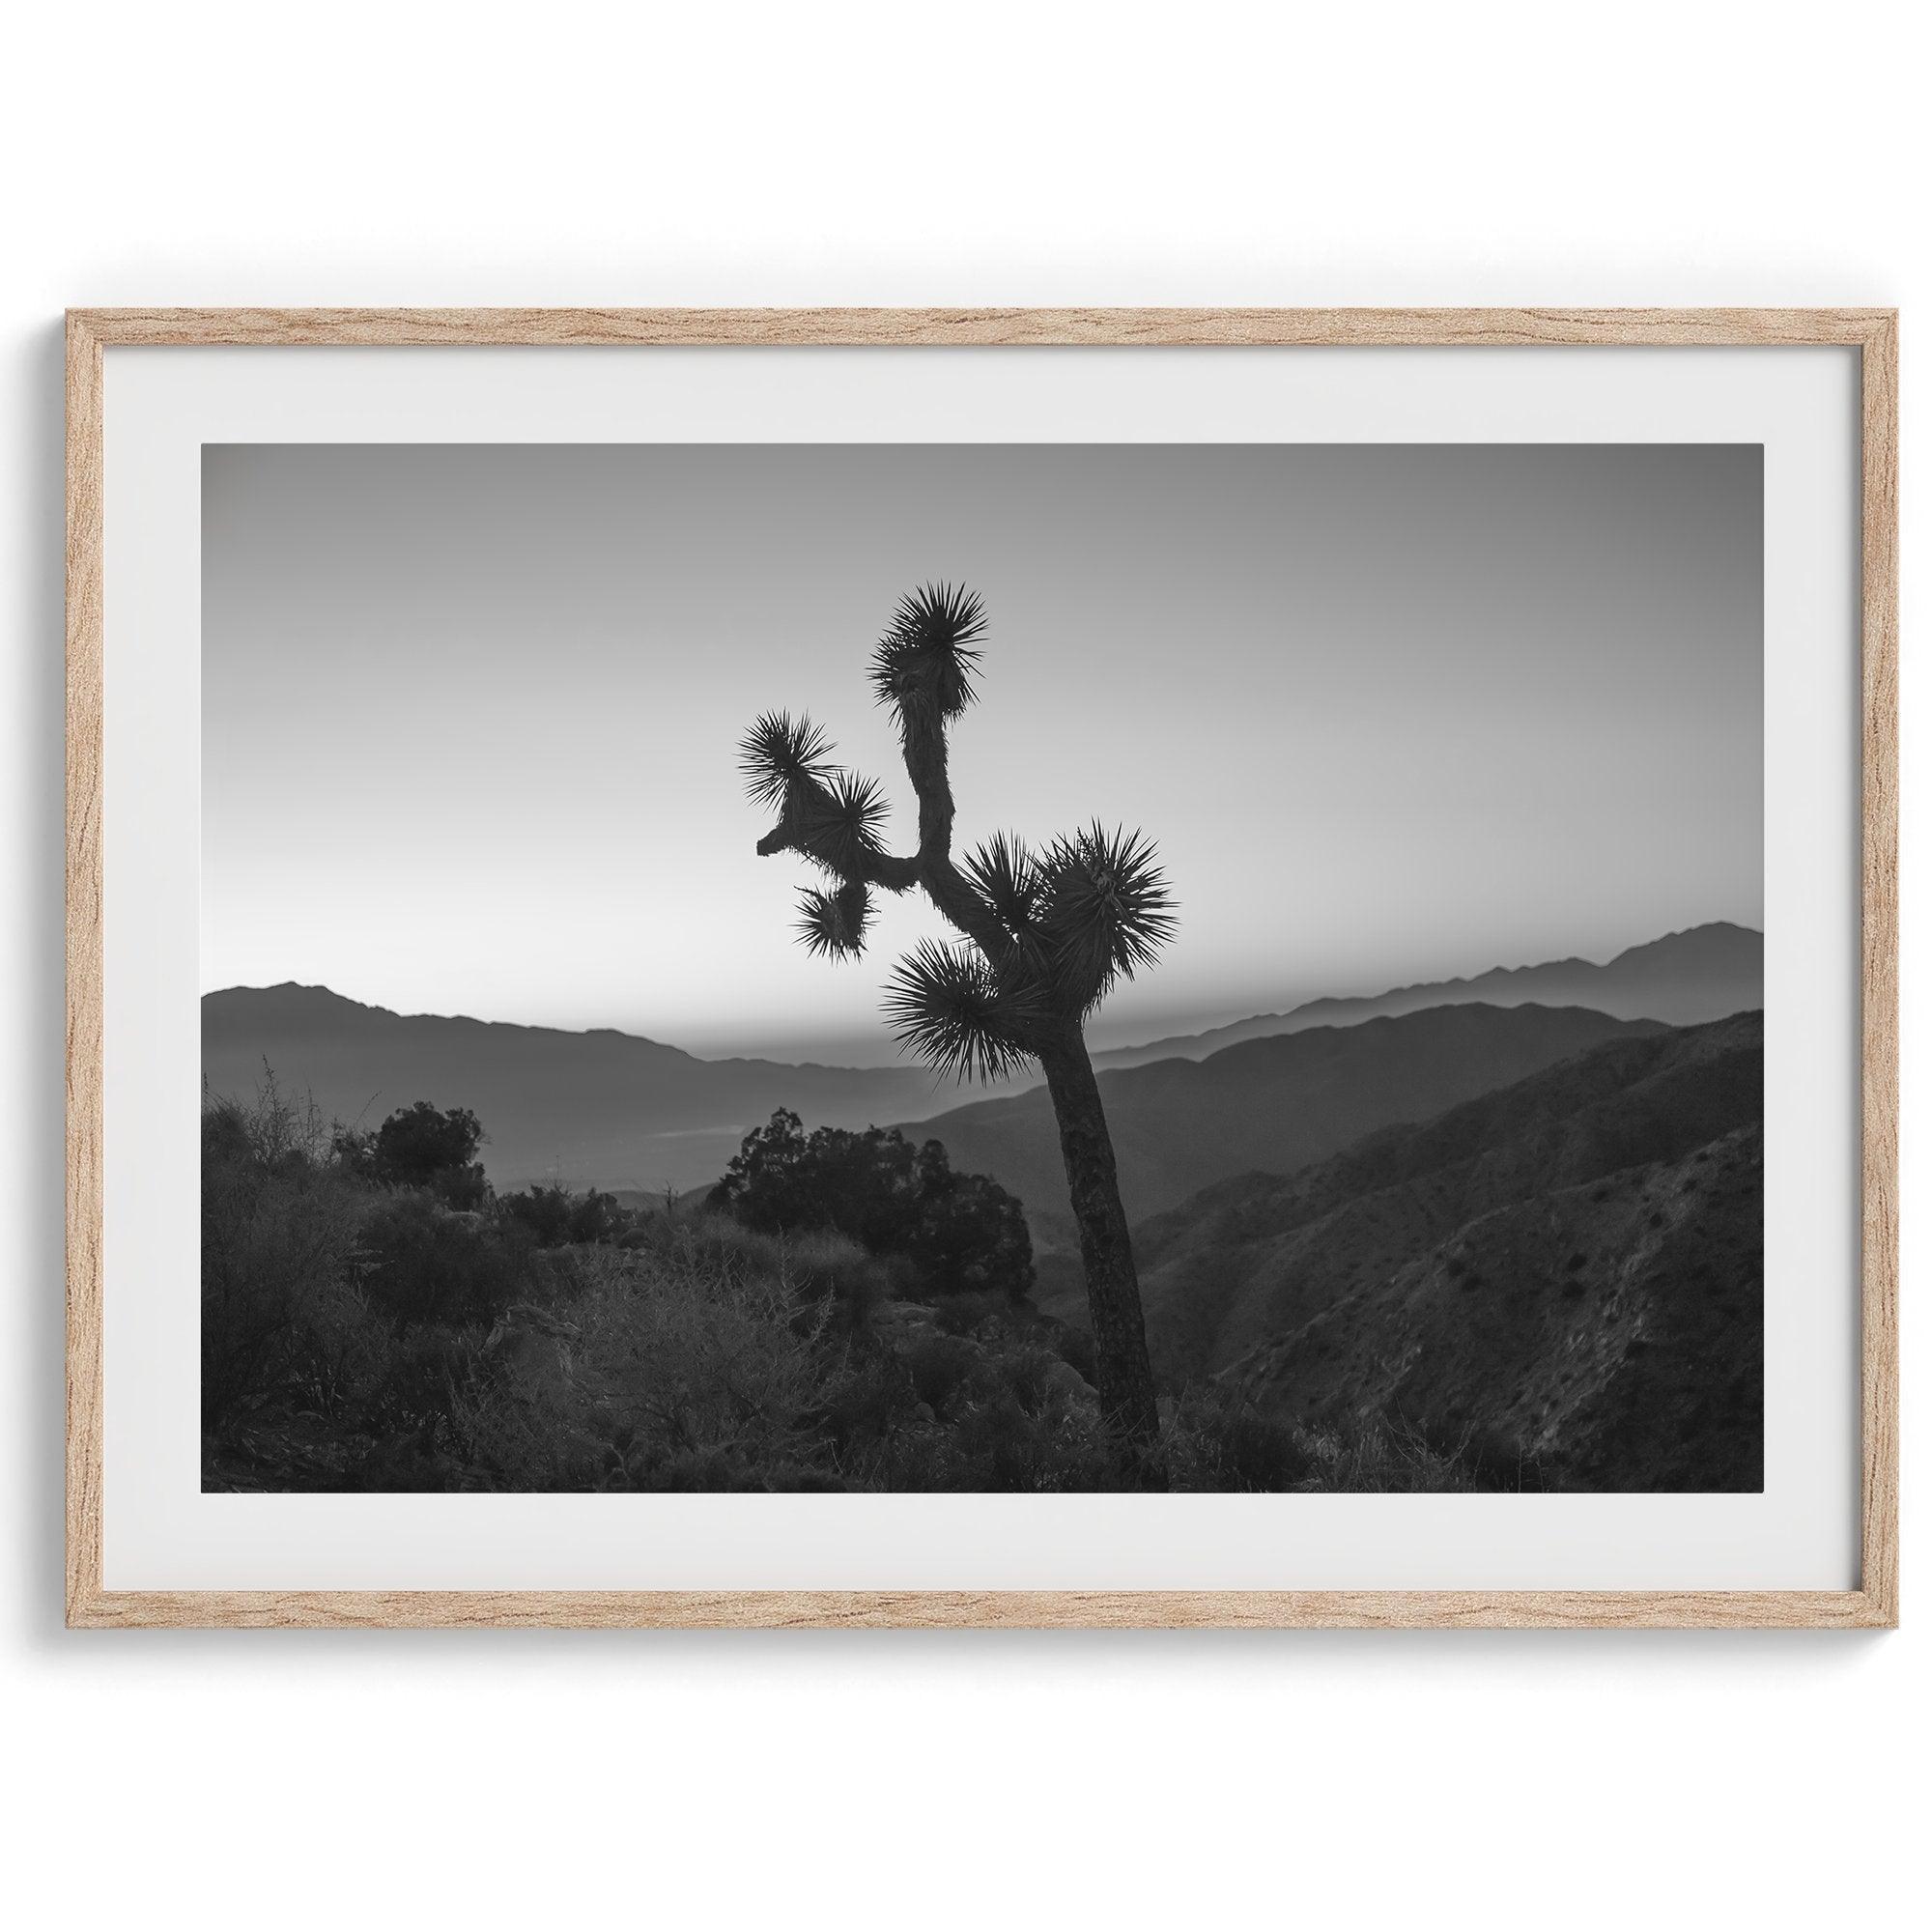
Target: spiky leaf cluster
{"x": 833, "y": 924}
{"x": 927, "y": 662}
{"x": 838, "y": 818}
{"x": 1007, "y": 877}
{"x": 1106, "y": 912}
{"x": 950, "y": 1007}
{"x": 780, "y": 752}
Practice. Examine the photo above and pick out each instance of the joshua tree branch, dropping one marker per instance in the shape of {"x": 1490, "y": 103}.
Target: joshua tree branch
{"x": 883, "y": 869}
{"x": 924, "y": 736}
{"x": 931, "y": 865}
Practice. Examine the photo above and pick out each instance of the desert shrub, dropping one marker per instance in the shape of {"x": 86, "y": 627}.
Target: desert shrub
{"x": 422, "y": 1262}
{"x": 1486, "y": 1453}
{"x": 419, "y": 1377}
{"x": 1014, "y": 1416}
{"x": 1002, "y": 1444}
{"x": 963, "y": 1232}
{"x": 869, "y": 1403}
{"x": 555, "y": 1217}
{"x": 824, "y": 1266}
{"x": 666, "y": 1374}
{"x": 1373, "y": 1454}
{"x": 969, "y": 1312}
{"x": 1038, "y": 1380}
{"x": 424, "y": 1146}
{"x": 597, "y": 1217}
{"x": 546, "y": 1212}
{"x": 1218, "y": 1439}
{"x": 817, "y": 1266}
{"x": 278, "y": 1239}
{"x": 938, "y": 1366}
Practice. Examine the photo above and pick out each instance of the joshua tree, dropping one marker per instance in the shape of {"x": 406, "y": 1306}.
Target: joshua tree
{"x": 1043, "y": 936}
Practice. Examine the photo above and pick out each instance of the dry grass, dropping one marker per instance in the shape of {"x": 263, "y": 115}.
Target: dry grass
{"x": 650, "y": 1371}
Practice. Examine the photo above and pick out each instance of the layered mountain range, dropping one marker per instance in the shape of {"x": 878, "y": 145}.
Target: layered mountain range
{"x": 616, "y": 1110}
{"x": 599, "y": 1109}
{"x": 1275, "y": 1103}
{"x": 1682, "y": 979}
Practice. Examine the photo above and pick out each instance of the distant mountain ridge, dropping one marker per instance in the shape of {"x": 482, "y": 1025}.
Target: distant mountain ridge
{"x": 1276, "y": 1103}
{"x": 1684, "y": 979}
{"x": 601, "y": 1108}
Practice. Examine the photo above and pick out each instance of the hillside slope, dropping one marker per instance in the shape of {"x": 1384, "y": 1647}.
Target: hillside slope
{"x": 1280, "y": 1104}
{"x": 1563, "y": 1277}
{"x": 1684, "y": 979}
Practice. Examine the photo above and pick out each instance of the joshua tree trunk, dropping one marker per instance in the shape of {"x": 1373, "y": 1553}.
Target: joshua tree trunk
{"x": 1106, "y": 1253}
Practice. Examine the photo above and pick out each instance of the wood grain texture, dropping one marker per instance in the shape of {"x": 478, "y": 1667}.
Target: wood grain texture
{"x": 989, "y": 1609}
{"x": 1334, "y": 327}
{"x": 1879, "y": 966}
{"x": 1874, "y": 332}
{"x": 85, "y": 558}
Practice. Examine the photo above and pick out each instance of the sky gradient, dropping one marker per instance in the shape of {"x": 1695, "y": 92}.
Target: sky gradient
{"x": 470, "y": 713}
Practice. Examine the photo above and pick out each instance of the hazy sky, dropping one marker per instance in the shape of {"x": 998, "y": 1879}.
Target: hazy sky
{"x": 470, "y": 713}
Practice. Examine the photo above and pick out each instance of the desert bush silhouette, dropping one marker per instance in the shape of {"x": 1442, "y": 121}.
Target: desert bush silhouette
{"x": 961, "y": 1232}
{"x": 426, "y": 1147}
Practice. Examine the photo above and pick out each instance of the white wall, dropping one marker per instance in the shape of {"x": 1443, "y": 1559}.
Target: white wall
{"x": 1107, "y": 153}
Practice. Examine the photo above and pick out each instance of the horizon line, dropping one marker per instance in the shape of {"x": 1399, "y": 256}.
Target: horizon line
{"x": 1207, "y": 1026}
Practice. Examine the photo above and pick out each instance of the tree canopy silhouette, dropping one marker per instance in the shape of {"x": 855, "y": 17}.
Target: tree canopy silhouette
{"x": 423, "y": 1146}
{"x": 965, "y": 1232}
{"x": 1044, "y": 935}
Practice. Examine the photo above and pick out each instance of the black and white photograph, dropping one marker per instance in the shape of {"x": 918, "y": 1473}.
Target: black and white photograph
{"x": 985, "y": 968}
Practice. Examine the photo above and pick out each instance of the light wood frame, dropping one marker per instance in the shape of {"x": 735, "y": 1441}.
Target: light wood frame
{"x": 1872, "y": 333}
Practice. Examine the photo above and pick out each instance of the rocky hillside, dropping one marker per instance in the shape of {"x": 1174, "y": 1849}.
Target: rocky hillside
{"x": 1563, "y": 1278}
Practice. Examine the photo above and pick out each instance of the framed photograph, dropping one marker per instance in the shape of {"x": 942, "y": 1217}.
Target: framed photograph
{"x": 1008, "y": 968}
